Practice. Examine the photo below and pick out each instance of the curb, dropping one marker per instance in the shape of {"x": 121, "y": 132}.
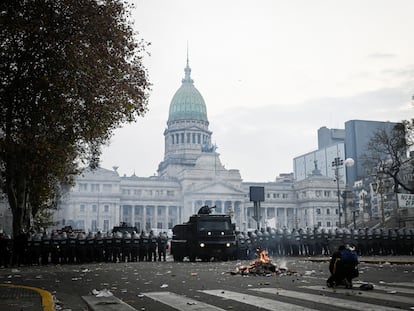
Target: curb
{"x": 46, "y": 297}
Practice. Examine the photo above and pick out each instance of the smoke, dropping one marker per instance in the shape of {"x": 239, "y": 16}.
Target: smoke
{"x": 282, "y": 264}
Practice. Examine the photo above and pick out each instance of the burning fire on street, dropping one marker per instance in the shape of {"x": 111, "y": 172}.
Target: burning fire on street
{"x": 262, "y": 265}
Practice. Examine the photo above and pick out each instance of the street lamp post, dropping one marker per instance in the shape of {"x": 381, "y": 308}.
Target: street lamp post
{"x": 378, "y": 187}
{"x": 362, "y": 196}
{"x": 381, "y": 187}
{"x": 346, "y": 194}
{"x": 336, "y": 164}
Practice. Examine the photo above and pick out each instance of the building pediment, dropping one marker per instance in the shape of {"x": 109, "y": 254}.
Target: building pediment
{"x": 217, "y": 188}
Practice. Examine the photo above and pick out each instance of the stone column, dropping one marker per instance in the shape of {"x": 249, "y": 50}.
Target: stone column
{"x": 156, "y": 216}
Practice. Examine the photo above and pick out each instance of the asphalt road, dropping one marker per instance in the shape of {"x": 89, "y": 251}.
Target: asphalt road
{"x": 215, "y": 286}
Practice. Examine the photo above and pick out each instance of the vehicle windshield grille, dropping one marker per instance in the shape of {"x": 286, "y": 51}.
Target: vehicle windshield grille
{"x": 206, "y": 225}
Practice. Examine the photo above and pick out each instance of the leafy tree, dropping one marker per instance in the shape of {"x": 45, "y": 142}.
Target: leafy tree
{"x": 388, "y": 154}
{"x": 70, "y": 73}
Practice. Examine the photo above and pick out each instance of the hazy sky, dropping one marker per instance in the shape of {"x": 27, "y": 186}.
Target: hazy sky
{"x": 272, "y": 72}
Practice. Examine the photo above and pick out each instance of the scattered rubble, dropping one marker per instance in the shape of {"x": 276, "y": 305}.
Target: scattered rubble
{"x": 261, "y": 266}
{"x": 102, "y": 293}
{"x": 366, "y": 286}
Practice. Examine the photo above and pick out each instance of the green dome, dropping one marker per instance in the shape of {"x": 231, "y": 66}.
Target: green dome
{"x": 187, "y": 103}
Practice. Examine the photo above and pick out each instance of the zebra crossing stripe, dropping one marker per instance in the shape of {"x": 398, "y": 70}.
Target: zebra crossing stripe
{"x": 180, "y": 302}
{"x": 401, "y": 290}
{"x": 260, "y": 302}
{"x": 337, "y": 302}
{"x": 400, "y": 284}
{"x": 367, "y": 294}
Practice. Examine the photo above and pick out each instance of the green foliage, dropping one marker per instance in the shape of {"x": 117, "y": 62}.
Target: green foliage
{"x": 70, "y": 73}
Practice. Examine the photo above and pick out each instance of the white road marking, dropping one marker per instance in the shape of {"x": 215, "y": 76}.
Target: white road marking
{"x": 260, "y": 302}
{"x": 400, "y": 284}
{"x": 180, "y": 302}
{"x": 392, "y": 288}
{"x": 107, "y": 303}
{"x": 365, "y": 294}
{"x": 332, "y": 301}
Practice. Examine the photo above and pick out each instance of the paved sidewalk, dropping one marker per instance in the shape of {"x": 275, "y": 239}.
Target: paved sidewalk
{"x": 25, "y": 298}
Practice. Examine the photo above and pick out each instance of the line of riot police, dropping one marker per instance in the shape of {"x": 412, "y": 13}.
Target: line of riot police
{"x": 323, "y": 242}
{"x": 79, "y": 247}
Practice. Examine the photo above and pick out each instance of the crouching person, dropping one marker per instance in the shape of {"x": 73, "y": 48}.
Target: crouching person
{"x": 343, "y": 267}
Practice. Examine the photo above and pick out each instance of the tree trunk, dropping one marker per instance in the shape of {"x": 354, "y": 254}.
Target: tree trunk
{"x": 17, "y": 194}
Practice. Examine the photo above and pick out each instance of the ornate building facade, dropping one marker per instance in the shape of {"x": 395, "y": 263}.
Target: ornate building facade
{"x": 191, "y": 175}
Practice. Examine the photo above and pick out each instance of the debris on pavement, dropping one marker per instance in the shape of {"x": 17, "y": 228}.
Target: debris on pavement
{"x": 311, "y": 272}
{"x": 262, "y": 266}
{"x": 102, "y": 293}
{"x": 366, "y": 286}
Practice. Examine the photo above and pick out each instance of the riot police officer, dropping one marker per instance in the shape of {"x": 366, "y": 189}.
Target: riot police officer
{"x": 143, "y": 246}
{"x": 90, "y": 247}
{"x": 266, "y": 240}
{"x": 272, "y": 241}
{"x": 260, "y": 239}
{"x": 325, "y": 242}
{"x": 64, "y": 248}
{"x": 295, "y": 242}
{"x": 81, "y": 248}
{"x": 99, "y": 247}
{"x": 362, "y": 245}
{"x": 45, "y": 249}
{"x": 311, "y": 242}
{"x": 254, "y": 245}
{"x": 279, "y": 241}
{"x": 72, "y": 245}
{"x": 249, "y": 246}
{"x": 6, "y": 250}
{"x": 126, "y": 247}
{"x": 162, "y": 241}
{"x": 134, "y": 247}
{"x": 20, "y": 248}
{"x": 55, "y": 248}
{"x": 287, "y": 242}
{"x": 376, "y": 241}
{"x": 241, "y": 247}
{"x": 304, "y": 239}
{"x": 318, "y": 241}
{"x": 117, "y": 246}
{"x": 37, "y": 248}
{"x": 108, "y": 247}
{"x": 152, "y": 247}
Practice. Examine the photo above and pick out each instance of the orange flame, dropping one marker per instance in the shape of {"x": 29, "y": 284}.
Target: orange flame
{"x": 263, "y": 257}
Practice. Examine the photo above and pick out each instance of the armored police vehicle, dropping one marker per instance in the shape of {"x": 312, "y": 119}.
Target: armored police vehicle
{"x": 205, "y": 236}
{"x": 124, "y": 227}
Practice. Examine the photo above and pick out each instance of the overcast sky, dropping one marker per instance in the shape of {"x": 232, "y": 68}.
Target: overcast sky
{"x": 271, "y": 72}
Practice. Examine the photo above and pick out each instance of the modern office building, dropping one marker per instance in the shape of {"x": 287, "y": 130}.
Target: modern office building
{"x": 304, "y": 165}
{"x": 329, "y": 137}
{"x": 358, "y": 133}
{"x": 348, "y": 143}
